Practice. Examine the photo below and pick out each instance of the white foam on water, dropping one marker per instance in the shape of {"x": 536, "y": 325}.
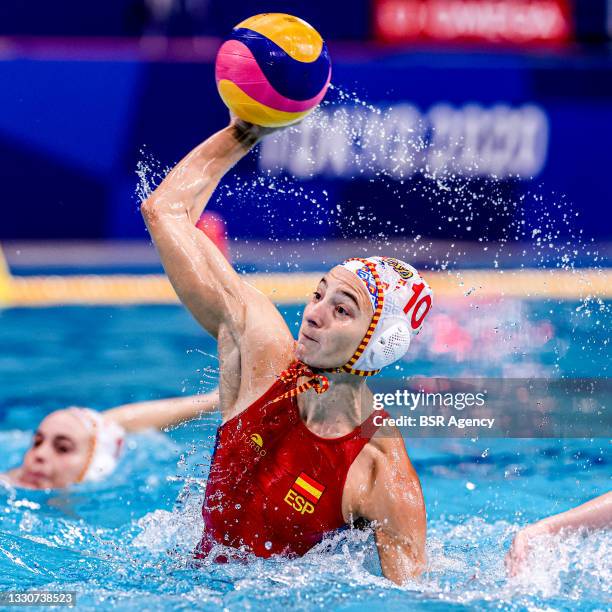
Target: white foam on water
{"x": 179, "y": 529}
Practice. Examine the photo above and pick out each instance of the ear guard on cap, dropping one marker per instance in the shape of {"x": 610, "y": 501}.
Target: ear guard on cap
{"x": 387, "y": 346}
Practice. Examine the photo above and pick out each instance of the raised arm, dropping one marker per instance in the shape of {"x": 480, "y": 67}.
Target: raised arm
{"x": 162, "y": 413}
{"x": 203, "y": 279}
{"x": 254, "y": 342}
{"x": 594, "y": 514}
{"x": 396, "y": 508}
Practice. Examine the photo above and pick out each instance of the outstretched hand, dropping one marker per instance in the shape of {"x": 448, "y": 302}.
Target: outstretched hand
{"x": 593, "y": 514}
{"x": 521, "y": 546}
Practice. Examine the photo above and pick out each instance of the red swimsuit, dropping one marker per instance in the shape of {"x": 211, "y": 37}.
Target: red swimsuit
{"x": 274, "y": 486}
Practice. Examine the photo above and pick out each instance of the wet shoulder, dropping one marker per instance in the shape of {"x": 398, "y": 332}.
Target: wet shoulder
{"x": 387, "y": 440}
{"x": 385, "y": 450}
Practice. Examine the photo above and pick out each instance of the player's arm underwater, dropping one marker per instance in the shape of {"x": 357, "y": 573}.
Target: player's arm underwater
{"x": 254, "y": 343}
{"x": 162, "y": 413}
{"x": 393, "y": 501}
{"x": 594, "y": 514}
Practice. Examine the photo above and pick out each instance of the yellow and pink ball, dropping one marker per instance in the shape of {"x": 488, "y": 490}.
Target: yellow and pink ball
{"x": 273, "y": 70}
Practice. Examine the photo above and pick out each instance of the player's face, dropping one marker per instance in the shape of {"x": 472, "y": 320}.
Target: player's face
{"x": 335, "y": 320}
{"x": 58, "y": 454}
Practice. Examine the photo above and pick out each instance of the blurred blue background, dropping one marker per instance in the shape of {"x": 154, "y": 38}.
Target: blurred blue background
{"x": 85, "y": 86}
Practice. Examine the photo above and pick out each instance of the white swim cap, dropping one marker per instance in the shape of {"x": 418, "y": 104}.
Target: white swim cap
{"x": 106, "y": 444}
{"x": 400, "y": 300}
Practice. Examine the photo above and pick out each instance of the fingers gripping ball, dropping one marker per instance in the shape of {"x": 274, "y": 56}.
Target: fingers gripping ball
{"x": 273, "y": 70}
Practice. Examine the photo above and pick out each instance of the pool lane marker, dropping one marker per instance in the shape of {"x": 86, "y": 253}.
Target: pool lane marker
{"x": 295, "y": 288}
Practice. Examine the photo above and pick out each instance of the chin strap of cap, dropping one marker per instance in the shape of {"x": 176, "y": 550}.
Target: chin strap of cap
{"x": 299, "y": 369}
{"x": 320, "y": 382}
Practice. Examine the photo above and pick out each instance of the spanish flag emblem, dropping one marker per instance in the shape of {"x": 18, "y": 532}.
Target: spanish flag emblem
{"x": 308, "y": 487}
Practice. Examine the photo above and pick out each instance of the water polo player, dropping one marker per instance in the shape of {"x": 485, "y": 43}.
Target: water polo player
{"x": 298, "y": 454}
{"x": 82, "y": 445}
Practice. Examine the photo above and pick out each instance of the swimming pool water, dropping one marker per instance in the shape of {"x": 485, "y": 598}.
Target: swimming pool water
{"x": 126, "y": 542}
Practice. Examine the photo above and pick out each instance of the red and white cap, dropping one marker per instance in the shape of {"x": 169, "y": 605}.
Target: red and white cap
{"x": 400, "y": 299}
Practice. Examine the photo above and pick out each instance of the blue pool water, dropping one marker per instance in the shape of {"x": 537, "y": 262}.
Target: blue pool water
{"x": 126, "y": 542}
